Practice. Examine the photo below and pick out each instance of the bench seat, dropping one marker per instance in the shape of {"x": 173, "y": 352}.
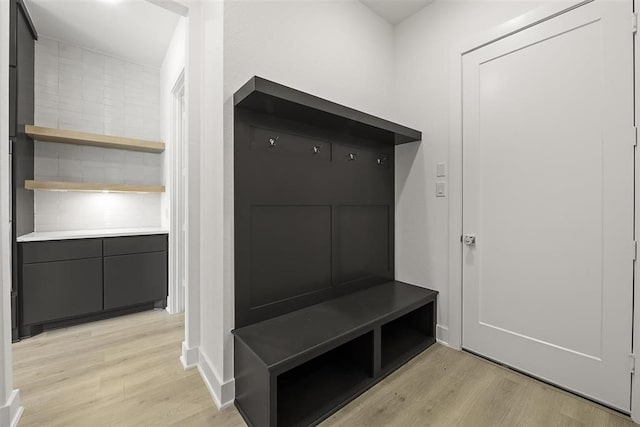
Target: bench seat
{"x": 299, "y": 368}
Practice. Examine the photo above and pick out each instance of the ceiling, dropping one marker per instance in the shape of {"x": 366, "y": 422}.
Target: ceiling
{"x": 395, "y": 11}
{"x": 136, "y": 30}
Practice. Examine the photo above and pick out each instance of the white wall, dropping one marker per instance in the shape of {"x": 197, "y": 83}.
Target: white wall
{"x": 79, "y": 89}
{"x": 172, "y": 65}
{"x": 338, "y": 50}
{"x": 215, "y": 340}
{"x": 423, "y": 46}
{"x": 196, "y": 51}
{"x": 10, "y": 409}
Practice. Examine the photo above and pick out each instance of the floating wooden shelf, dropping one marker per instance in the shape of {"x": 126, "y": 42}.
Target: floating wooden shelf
{"x": 90, "y": 187}
{"x": 94, "y": 140}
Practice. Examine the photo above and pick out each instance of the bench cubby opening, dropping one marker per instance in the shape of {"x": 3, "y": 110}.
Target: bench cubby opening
{"x": 317, "y": 387}
{"x": 406, "y": 336}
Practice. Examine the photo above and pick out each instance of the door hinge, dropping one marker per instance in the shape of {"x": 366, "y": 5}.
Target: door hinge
{"x": 635, "y": 136}
{"x": 10, "y": 145}
{"x": 634, "y": 22}
{"x": 632, "y": 363}
{"x": 635, "y": 250}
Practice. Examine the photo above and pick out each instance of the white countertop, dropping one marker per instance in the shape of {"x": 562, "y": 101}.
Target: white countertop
{"x": 40, "y": 236}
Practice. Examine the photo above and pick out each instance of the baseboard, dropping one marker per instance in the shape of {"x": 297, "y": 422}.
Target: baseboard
{"x": 11, "y": 412}
{"x": 189, "y": 356}
{"x": 442, "y": 335}
{"x": 223, "y": 393}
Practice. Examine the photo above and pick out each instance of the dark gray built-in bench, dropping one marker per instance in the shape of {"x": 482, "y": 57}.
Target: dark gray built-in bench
{"x": 319, "y": 317}
{"x": 299, "y": 368}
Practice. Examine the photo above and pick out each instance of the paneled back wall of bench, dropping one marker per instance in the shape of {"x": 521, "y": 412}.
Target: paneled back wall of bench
{"x": 314, "y": 215}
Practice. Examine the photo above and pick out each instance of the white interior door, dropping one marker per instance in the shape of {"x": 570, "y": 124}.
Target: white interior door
{"x": 548, "y": 192}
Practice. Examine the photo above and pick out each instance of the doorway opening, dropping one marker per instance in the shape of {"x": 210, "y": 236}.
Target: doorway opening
{"x": 100, "y": 249}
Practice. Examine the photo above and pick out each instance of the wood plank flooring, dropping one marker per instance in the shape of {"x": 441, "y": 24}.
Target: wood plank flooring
{"x": 126, "y": 372}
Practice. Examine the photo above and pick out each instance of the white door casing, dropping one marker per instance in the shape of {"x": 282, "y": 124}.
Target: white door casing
{"x": 179, "y": 193}
{"x": 548, "y": 191}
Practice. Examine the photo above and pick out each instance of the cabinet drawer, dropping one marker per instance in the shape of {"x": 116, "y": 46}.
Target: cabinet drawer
{"x": 60, "y": 250}
{"x": 134, "y": 245}
{"x": 134, "y": 279}
{"x": 59, "y": 290}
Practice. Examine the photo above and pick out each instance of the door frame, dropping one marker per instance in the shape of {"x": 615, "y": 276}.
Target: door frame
{"x": 178, "y": 167}
{"x": 536, "y": 16}
{"x": 10, "y": 404}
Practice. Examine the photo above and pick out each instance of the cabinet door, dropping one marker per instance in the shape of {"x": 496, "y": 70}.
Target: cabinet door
{"x": 13, "y": 46}
{"x": 60, "y": 290}
{"x": 13, "y": 101}
{"x": 134, "y": 279}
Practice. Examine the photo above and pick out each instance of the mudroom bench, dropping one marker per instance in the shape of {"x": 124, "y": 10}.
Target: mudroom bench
{"x": 299, "y": 368}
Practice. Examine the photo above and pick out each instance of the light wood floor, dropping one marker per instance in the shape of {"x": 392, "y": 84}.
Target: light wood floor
{"x": 126, "y": 372}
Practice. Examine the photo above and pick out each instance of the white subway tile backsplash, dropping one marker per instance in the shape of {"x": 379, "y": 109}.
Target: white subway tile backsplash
{"x": 93, "y": 175}
{"x": 82, "y": 90}
{"x": 46, "y": 167}
{"x": 70, "y": 170}
{"x": 114, "y": 175}
{"x": 152, "y": 159}
{"x": 69, "y": 52}
{"x": 45, "y": 222}
{"x": 47, "y": 117}
{"x": 47, "y": 203}
{"x": 42, "y": 149}
{"x": 80, "y": 211}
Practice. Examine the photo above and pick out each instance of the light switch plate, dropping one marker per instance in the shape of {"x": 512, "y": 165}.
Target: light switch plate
{"x": 441, "y": 189}
{"x": 441, "y": 170}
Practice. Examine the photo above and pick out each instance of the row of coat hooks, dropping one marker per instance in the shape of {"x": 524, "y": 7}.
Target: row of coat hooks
{"x": 316, "y": 150}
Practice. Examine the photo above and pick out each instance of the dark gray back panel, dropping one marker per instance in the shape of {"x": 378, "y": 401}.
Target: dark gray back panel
{"x": 314, "y": 215}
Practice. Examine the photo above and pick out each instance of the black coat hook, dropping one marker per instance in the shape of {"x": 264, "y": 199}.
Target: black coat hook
{"x": 352, "y": 156}
{"x": 272, "y": 141}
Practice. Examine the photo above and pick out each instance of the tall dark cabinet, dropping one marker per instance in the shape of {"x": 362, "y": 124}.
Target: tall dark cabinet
{"x": 21, "y": 112}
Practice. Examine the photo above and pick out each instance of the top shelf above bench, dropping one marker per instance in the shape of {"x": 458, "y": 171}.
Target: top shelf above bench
{"x": 94, "y": 140}
{"x": 265, "y": 96}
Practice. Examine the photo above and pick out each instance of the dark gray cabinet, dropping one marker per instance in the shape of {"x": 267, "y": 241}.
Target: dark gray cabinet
{"x": 134, "y": 279}
{"x": 65, "y": 282}
{"x": 13, "y": 46}
{"x": 13, "y": 101}
{"x": 21, "y": 112}
{"x": 61, "y": 289}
